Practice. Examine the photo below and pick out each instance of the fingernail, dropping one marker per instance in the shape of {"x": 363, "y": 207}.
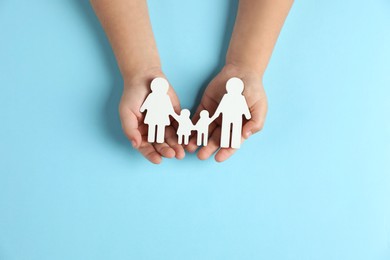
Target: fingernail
{"x": 249, "y": 133}
{"x": 133, "y": 143}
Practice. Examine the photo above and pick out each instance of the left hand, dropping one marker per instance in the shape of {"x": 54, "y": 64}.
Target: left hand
{"x": 257, "y": 101}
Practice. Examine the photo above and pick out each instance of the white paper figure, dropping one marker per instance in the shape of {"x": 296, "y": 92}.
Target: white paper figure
{"x": 185, "y": 126}
{"x": 159, "y": 108}
{"x": 232, "y": 107}
{"x": 202, "y": 128}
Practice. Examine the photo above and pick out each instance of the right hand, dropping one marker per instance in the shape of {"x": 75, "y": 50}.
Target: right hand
{"x": 255, "y": 98}
{"x": 135, "y": 91}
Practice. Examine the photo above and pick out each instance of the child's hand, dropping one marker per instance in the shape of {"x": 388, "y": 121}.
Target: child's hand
{"x": 134, "y": 93}
{"x": 255, "y": 97}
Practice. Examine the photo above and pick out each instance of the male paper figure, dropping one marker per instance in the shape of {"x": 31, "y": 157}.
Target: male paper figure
{"x": 232, "y": 107}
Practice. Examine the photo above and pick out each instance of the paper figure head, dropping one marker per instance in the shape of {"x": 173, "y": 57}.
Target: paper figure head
{"x": 159, "y": 85}
{"x": 185, "y": 112}
{"x": 234, "y": 86}
{"x": 204, "y": 113}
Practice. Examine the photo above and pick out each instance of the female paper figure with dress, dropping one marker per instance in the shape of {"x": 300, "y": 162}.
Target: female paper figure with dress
{"x": 159, "y": 108}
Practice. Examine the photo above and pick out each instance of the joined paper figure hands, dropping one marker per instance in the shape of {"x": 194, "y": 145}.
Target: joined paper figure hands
{"x": 232, "y": 107}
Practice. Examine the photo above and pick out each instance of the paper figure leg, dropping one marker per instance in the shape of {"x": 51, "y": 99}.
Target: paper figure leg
{"x": 225, "y": 134}
{"x": 180, "y": 139}
{"x": 236, "y": 135}
{"x": 198, "y": 138}
{"x": 160, "y": 134}
{"x": 186, "y": 139}
{"x": 205, "y": 138}
{"x": 151, "y": 133}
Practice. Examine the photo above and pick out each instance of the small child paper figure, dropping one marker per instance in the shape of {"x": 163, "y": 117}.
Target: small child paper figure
{"x": 159, "y": 108}
{"x": 202, "y": 128}
{"x": 185, "y": 126}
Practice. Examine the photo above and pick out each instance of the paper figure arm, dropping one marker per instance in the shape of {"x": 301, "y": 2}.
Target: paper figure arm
{"x": 170, "y": 109}
{"x": 211, "y": 119}
{"x": 145, "y": 105}
{"x": 245, "y": 109}
{"x": 175, "y": 116}
{"x": 215, "y": 116}
{"x": 193, "y": 127}
{"x": 219, "y": 109}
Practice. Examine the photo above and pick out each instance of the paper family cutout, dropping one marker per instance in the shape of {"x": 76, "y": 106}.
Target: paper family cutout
{"x": 232, "y": 107}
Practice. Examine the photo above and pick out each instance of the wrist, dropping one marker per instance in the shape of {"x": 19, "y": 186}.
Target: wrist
{"x": 142, "y": 75}
{"x": 240, "y": 70}
{"x": 247, "y": 60}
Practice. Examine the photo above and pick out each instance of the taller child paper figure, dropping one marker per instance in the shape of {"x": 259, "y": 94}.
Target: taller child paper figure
{"x": 232, "y": 107}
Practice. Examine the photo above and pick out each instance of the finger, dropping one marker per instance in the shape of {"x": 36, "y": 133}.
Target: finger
{"x": 256, "y": 123}
{"x": 171, "y": 139}
{"x": 225, "y": 153}
{"x": 149, "y": 152}
{"x": 192, "y": 146}
{"x": 165, "y": 150}
{"x": 129, "y": 123}
{"x": 212, "y": 145}
{"x": 176, "y": 106}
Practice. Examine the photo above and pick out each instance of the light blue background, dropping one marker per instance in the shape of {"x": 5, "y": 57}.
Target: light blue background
{"x": 313, "y": 185}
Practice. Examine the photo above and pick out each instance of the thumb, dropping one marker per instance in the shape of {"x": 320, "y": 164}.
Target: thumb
{"x": 257, "y": 121}
{"x": 130, "y": 128}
